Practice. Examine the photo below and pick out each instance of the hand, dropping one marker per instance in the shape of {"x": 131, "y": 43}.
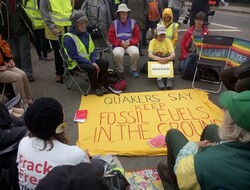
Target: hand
{"x": 202, "y": 143}
{"x": 56, "y": 31}
{"x": 11, "y": 63}
{"x": 125, "y": 44}
{"x": 3, "y": 67}
{"x": 97, "y": 67}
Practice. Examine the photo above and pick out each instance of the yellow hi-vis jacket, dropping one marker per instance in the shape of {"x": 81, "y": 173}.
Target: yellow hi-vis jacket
{"x": 60, "y": 12}
{"x": 170, "y": 32}
{"x": 32, "y": 10}
{"x": 81, "y": 49}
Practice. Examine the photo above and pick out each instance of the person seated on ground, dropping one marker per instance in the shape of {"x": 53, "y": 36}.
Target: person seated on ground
{"x": 161, "y": 49}
{"x": 220, "y": 160}
{"x": 81, "y": 176}
{"x": 46, "y": 146}
{"x": 171, "y": 27}
{"x": 79, "y": 46}
{"x": 12, "y": 131}
{"x": 9, "y": 73}
{"x": 187, "y": 43}
{"x": 124, "y": 35}
{"x": 233, "y": 82}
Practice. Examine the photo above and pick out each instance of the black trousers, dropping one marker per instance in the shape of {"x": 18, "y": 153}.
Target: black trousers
{"x": 233, "y": 83}
{"x": 96, "y": 79}
{"x": 175, "y": 141}
{"x": 58, "y": 59}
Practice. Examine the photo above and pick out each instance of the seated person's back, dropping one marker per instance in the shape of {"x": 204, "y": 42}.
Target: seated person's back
{"x": 46, "y": 146}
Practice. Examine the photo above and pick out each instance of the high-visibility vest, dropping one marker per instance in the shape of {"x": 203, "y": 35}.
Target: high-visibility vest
{"x": 60, "y": 12}
{"x": 124, "y": 32}
{"x": 81, "y": 49}
{"x": 117, "y": 2}
{"x": 170, "y": 30}
{"x": 32, "y": 10}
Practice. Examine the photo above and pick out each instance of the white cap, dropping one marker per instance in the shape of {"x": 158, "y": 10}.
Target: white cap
{"x": 161, "y": 30}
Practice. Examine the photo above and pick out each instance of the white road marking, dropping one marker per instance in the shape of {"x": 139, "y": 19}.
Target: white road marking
{"x": 215, "y": 30}
{"x": 226, "y": 26}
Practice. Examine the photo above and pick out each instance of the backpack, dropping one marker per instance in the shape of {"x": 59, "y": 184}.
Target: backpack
{"x": 153, "y": 10}
{"x": 115, "y": 80}
{"x": 189, "y": 66}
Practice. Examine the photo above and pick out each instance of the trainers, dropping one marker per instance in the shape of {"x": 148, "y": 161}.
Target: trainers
{"x": 98, "y": 92}
{"x": 104, "y": 90}
{"x": 135, "y": 74}
{"x": 165, "y": 176}
{"x": 59, "y": 78}
{"x": 160, "y": 84}
{"x": 48, "y": 58}
{"x": 169, "y": 83}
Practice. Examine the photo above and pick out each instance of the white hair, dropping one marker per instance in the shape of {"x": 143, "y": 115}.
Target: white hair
{"x": 230, "y": 131}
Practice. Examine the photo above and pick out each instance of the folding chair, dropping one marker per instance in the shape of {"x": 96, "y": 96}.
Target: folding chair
{"x": 6, "y": 89}
{"x": 73, "y": 73}
{"x": 214, "y": 55}
{"x": 2, "y": 93}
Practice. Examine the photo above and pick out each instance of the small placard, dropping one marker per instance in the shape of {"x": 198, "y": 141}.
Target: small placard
{"x": 156, "y": 69}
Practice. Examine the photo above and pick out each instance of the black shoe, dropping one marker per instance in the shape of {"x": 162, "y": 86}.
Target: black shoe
{"x": 104, "y": 90}
{"x": 166, "y": 178}
{"x": 141, "y": 54}
{"x": 98, "y": 92}
{"x": 31, "y": 79}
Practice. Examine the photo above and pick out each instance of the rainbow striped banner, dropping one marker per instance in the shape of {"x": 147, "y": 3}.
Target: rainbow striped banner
{"x": 240, "y": 52}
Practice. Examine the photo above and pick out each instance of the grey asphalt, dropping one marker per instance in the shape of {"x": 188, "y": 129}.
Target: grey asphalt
{"x": 45, "y": 86}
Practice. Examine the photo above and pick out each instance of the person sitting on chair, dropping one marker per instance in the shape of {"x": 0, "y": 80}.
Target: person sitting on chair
{"x": 220, "y": 160}
{"x": 124, "y": 35}
{"x": 9, "y": 73}
{"x": 79, "y": 47}
{"x": 187, "y": 43}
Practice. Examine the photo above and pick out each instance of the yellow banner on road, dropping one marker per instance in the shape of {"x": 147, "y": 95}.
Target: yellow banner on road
{"x": 122, "y": 125}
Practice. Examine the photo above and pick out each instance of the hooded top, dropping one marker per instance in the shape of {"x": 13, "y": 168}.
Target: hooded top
{"x": 5, "y": 52}
{"x": 171, "y": 27}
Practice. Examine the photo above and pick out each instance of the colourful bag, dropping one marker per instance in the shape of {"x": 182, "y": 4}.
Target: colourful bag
{"x": 153, "y": 11}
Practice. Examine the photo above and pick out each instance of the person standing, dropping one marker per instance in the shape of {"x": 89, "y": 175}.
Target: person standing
{"x": 197, "y": 6}
{"x": 56, "y": 15}
{"x": 176, "y": 6}
{"x": 32, "y": 9}
{"x": 19, "y": 26}
{"x": 124, "y": 35}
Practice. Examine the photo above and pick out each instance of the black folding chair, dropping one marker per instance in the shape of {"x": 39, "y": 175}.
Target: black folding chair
{"x": 73, "y": 73}
{"x": 213, "y": 57}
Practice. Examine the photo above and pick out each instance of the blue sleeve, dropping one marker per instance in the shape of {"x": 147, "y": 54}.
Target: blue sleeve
{"x": 70, "y": 46}
{"x": 93, "y": 56}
